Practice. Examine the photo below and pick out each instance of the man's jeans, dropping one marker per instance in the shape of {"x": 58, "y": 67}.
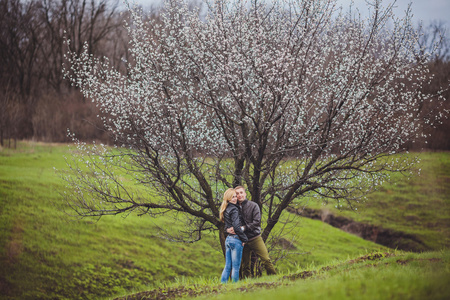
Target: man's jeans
{"x": 233, "y": 255}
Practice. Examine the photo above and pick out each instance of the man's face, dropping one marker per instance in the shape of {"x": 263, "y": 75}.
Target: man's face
{"x": 241, "y": 195}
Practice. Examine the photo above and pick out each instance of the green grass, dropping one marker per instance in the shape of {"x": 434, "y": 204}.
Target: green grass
{"x": 408, "y": 276}
{"x": 419, "y": 205}
{"x": 45, "y": 254}
{"x": 378, "y": 275}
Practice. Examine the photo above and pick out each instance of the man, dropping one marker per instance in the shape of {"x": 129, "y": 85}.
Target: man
{"x": 252, "y": 228}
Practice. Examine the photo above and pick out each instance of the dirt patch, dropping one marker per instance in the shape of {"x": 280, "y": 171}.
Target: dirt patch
{"x": 171, "y": 293}
{"x": 14, "y": 246}
{"x": 307, "y": 274}
{"x": 327, "y": 268}
{"x": 371, "y": 256}
{"x": 406, "y": 261}
{"x": 377, "y": 234}
{"x": 301, "y": 275}
{"x": 259, "y": 285}
{"x": 403, "y": 261}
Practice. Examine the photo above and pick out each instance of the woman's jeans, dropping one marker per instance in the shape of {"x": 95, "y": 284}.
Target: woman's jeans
{"x": 233, "y": 255}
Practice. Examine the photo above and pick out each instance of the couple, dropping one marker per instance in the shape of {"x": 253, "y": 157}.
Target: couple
{"x": 243, "y": 224}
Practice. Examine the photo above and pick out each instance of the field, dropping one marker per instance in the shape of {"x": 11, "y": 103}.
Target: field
{"x": 46, "y": 254}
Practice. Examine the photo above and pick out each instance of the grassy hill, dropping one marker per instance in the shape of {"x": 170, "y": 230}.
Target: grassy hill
{"x": 44, "y": 254}
{"x": 418, "y": 205}
{"x": 379, "y": 275}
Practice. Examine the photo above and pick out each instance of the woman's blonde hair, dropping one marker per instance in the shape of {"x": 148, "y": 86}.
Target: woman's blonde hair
{"x": 227, "y": 196}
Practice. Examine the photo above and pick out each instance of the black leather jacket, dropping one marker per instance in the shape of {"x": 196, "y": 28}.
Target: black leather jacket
{"x": 232, "y": 218}
{"x": 252, "y": 218}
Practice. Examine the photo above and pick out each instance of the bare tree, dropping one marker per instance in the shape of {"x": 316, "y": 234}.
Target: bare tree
{"x": 82, "y": 21}
{"x": 293, "y": 99}
{"x": 19, "y": 45}
{"x": 12, "y": 113}
{"x": 31, "y": 56}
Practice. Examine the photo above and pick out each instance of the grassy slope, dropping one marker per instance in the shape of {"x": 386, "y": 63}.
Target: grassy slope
{"x": 419, "y": 205}
{"x": 395, "y": 275}
{"x": 46, "y": 255}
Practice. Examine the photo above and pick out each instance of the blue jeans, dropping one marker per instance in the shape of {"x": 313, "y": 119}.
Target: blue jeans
{"x": 233, "y": 255}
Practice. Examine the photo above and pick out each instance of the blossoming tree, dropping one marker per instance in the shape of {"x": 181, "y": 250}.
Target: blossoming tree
{"x": 292, "y": 99}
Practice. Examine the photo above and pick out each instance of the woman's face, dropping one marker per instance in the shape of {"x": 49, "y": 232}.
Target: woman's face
{"x": 233, "y": 199}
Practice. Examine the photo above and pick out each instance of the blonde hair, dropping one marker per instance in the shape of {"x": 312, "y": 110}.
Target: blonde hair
{"x": 227, "y": 196}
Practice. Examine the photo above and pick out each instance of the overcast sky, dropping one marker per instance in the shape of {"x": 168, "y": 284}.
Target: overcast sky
{"x": 425, "y": 10}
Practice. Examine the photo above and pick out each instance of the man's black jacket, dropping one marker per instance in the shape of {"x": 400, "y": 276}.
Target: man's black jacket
{"x": 252, "y": 218}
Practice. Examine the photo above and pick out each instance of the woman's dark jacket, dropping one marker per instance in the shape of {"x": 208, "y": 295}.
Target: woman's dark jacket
{"x": 232, "y": 218}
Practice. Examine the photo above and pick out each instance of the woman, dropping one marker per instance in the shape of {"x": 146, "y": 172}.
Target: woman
{"x": 234, "y": 244}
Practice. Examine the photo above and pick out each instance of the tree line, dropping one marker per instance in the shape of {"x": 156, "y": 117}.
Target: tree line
{"x": 37, "y": 103}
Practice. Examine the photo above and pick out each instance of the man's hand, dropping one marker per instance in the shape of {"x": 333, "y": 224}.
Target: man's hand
{"x": 231, "y": 230}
